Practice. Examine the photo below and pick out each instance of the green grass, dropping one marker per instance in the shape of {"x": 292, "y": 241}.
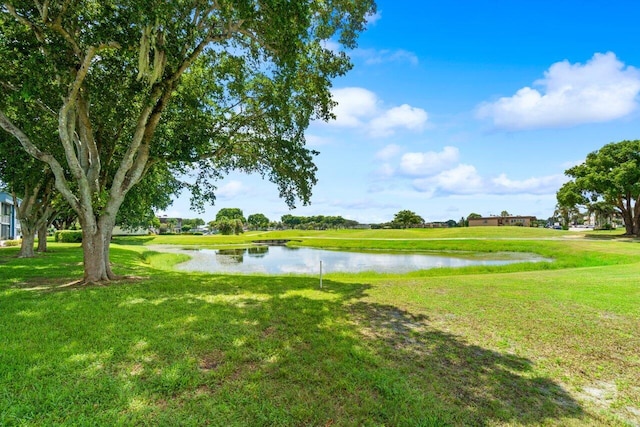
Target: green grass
{"x": 500, "y": 346}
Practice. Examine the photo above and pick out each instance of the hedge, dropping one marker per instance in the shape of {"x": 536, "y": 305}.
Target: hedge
{"x": 68, "y": 236}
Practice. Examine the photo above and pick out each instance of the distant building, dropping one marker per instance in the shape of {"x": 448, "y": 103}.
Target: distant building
{"x": 9, "y": 224}
{"x": 174, "y": 225}
{"x": 436, "y": 224}
{"x": 497, "y": 221}
{"x": 120, "y": 231}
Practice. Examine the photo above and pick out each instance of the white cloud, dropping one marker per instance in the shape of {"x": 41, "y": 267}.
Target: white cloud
{"x": 462, "y": 179}
{"x": 354, "y": 105}
{"x": 601, "y": 90}
{"x": 465, "y": 180}
{"x": 388, "y": 152}
{"x": 535, "y": 185}
{"x": 361, "y": 108}
{"x": 404, "y": 116}
{"x": 375, "y": 56}
{"x": 429, "y": 163}
{"x": 231, "y": 190}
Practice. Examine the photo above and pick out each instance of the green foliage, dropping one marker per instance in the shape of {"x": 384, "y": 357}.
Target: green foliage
{"x": 609, "y": 176}
{"x": 228, "y": 226}
{"x": 15, "y": 242}
{"x": 155, "y": 192}
{"x": 317, "y": 222}
{"x": 258, "y": 221}
{"x": 138, "y": 92}
{"x": 192, "y": 222}
{"x": 68, "y": 236}
{"x": 230, "y": 213}
{"x": 406, "y": 219}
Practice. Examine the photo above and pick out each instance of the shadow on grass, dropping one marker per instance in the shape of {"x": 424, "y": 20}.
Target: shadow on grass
{"x": 192, "y": 349}
{"x": 131, "y": 240}
{"x": 480, "y": 383}
{"x": 606, "y": 235}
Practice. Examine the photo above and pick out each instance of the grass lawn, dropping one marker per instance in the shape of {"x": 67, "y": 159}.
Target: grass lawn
{"x": 523, "y": 344}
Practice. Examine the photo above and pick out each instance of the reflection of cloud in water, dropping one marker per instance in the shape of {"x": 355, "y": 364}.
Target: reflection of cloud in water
{"x": 284, "y": 260}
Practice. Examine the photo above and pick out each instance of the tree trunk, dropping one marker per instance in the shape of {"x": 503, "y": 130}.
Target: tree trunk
{"x": 93, "y": 249}
{"x": 42, "y": 238}
{"x": 26, "y": 247}
{"x": 96, "y": 240}
{"x": 629, "y": 225}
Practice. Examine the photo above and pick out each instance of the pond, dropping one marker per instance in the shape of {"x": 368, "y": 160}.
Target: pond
{"x": 296, "y": 260}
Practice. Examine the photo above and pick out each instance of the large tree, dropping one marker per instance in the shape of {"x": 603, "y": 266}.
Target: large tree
{"x": 610, "y": 177}
{"x": 407, "y": 218}
{"x": 208, "y": 86}
{"x": 258, "y": 221}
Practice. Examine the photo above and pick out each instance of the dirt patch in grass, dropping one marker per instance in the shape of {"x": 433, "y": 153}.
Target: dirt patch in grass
{"x": 603, "y": 395}
{"x": 211, "y": 361}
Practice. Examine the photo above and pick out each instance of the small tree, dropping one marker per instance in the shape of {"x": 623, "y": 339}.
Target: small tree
{"x": 228, "y": 226}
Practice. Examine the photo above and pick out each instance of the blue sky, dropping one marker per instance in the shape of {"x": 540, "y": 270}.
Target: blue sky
{"x": 455, "y": 107}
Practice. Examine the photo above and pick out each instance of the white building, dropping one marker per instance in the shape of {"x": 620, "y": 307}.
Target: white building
{"x": 9, "y": 224}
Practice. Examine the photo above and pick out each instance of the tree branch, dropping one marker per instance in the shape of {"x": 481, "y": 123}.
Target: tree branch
{"x": 56, "y": 168}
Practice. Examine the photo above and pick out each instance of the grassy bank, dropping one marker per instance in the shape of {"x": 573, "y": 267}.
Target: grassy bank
{"x": 466, "y": 347}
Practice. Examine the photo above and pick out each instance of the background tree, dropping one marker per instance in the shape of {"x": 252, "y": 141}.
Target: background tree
{"x": 210, "y": 86}
{"x": 609, "y": 176}
{"x": 228, "y": 226}
{"x": 407, "y": 218}
{"x": 153, "y": 193}
{"x": 505, "y": 214}
{"x": 230, "y": 213}
{"x": 191, "y": 223}
{"x": 258, "y": 221}
{"x": 570, "y": 200}
{"x": 26, "y": 178}
{"x": 472, "y": 215}
{"x": 31, "y": 184}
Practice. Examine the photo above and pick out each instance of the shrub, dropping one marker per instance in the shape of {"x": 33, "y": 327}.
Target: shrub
{"x": 68, "y": 236}
{"x": 12, "y": 242}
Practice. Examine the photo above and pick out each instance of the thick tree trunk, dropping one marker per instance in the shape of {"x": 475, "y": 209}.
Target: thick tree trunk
{"x": 26, "y": 247}
{"x": 93, "y": 248}
{"x": 627, "y": 218}
{"x": 96, "y": 240}
{"x": 42, "y": 238}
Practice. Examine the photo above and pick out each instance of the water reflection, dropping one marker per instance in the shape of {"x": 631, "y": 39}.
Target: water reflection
{"x": 236, "y": 256}
{"x": 284, "y": 260}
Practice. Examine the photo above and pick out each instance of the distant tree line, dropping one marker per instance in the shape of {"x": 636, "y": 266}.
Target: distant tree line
{"x": 317, "y": 222}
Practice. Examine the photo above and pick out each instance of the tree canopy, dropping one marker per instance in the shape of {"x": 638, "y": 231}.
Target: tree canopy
{"x": 204, "y": 87}
{"x": 230, "y": 213}
{"x": 406, "y": 219}
{"x": 316, "y": 222}
{"x": 258, "y": 221}
{"x": 609, "y": 177}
